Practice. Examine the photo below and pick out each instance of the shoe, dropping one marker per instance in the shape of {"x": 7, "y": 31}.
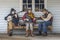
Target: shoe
{"x": 45, "y": 34}
{"x": 40, "y": 33}
{"x": 10, "y": 33}
{"x": 32, "y": 33}
{"x": 26, "y": 35}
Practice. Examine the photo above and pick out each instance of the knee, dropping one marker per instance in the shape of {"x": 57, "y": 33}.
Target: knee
{"x": 40, "y": 24}
{"x": 31, "y": 28}
{"x": 31, "y": 24}
{"x": 44, "y": 23}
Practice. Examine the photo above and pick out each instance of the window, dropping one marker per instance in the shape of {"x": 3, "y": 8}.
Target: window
{"x": 38, "y": 4}
{"x": 27, "y": 4}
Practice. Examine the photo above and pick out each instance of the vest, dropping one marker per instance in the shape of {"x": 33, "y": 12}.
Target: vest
{"x": 45, "y": 16}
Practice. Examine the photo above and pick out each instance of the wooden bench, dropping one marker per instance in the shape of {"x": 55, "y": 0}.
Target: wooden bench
{"x": 24, "y": 27}
{"x": 11, "y": 27}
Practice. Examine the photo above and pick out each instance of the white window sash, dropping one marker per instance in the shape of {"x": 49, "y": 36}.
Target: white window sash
{"x": 33, "y": 5}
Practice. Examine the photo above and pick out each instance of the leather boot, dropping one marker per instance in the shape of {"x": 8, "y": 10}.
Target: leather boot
{"x": 45, "y": 34}
{"x": 32, "y": 33}
{"x": 40, "y": 33}
{"x": 27, "y": 33}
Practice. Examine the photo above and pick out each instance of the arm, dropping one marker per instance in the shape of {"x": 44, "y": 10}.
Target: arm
{"x": 33, "y": 15}
{"x": 48, "y": 17}
{"x": 34, "y": 19}
{"x": 23, "y": 16}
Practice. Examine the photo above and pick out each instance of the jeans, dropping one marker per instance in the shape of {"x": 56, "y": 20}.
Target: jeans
{"x": 43, "y": 26}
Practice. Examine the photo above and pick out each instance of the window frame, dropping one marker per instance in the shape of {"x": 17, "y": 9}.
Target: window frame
{"x": 33, "y": 5}
{"x": 27, "y": 4}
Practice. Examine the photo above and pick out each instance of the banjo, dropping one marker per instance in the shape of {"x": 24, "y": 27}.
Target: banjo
{"x": 9, "y": 18}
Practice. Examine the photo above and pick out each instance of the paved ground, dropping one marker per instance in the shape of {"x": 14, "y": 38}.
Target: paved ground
{"x": 22, "y": 37}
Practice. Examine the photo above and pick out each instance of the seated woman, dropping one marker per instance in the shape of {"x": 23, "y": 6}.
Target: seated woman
{"x": 47, "y": 18}
{"x": 15, "y": 20}
{"x": 29, "y": 19}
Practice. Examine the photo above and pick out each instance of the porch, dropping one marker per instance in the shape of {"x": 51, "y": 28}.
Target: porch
{"x": 22, "y": 37}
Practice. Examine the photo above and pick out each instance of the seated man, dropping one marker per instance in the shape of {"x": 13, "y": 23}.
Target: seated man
{"x": 47, "y": 18}
{"x": 9, "y": 19}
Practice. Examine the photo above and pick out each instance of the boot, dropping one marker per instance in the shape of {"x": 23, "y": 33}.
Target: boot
{"x": 45, "y": 34}
{"x": 40, "y": 33}
{"x": 27, "y": 33}
{"x": 32, "y": 33}
{"x": 10, "y": 32}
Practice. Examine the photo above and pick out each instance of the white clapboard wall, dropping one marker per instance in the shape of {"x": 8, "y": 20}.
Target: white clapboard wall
{"x": 5, "y": 6}
{"x": 54, "y": 7}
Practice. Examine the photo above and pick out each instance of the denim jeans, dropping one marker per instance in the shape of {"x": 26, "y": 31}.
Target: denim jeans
{"x": 43, "y": 26}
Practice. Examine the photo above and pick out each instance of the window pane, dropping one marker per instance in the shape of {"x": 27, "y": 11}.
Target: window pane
{"x": 41, "y": 1}
{"x": 24, "y": 1}
{"x": 24, "y": 7}
{"x": 30, "y": 6}
{"x": 36, "y": 7}
{"x": 36, "y": 1}
{"x": 29, "y": 1}
{"x": 41, "y": 6}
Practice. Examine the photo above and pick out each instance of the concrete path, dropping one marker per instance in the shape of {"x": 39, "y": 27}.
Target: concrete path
{"x": 22, "y": 37}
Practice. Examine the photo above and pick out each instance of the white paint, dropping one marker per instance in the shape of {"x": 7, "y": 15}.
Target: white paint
{"x": 54, "y": 7}
{"x": 45, "y": 3}
{"x": 5, "y": 6}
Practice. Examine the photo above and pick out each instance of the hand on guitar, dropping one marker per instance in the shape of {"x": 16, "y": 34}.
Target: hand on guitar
{"x": 34, "y": 20}
{"x": 26, "y": 19}
{"x": 41, "y": 17}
